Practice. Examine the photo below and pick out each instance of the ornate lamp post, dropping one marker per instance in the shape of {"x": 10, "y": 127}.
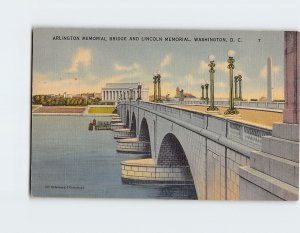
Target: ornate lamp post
{"x": 240, "y": 86}
{"x": 211, "y": 64}
{"x": 158, "y": 87}
{"x": 181, "y": 95}
{"x": 202, "y": 88}
{"x": 139, "y": 91}
{"x": 155, "y": 89}
{"x": 231, "y": 110}
{"x": 167, "y": 97}
{"x": 235, "y": 87}
{"x": 206, "y": 92}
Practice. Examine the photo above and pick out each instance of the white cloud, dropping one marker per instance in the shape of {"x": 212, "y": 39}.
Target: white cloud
{"x": 275, "y": 70}
{"x": 124, "y": 77}
{"x": 191, "y": 81}
{"x": 45, "y": 84}
{"x": 82, "y": 57}
{"x": 133, "y": 67}
{"x": 165, "y": 75}
{"x": 167, "y": 59}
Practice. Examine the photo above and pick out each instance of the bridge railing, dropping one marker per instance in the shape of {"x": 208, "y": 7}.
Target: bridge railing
{"x": 243, "y": 133}
{"x": 246, "y": 104}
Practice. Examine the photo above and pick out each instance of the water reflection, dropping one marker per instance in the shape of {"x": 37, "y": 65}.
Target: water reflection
{"x": 68, "y": 160}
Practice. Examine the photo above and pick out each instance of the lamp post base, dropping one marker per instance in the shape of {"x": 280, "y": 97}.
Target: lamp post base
{"x": 232, "y": 113}
{"x": 212, "y": 110}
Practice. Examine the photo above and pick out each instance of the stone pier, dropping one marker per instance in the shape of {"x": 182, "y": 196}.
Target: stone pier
{"x": 115, "y": 126}
{"x": 133, "y": 145}
{"x": 115, "y": 120}
{"x": 147, "y": 171}
{"x": 123, "y": 133}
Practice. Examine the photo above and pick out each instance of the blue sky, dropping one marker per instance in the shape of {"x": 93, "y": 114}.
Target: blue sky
{"x": 75, "y": 66}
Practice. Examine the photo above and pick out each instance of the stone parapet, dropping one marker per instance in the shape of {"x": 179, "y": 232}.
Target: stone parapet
{"x": 240, "y": 104}
{"x": 286, "y": 131}
{"x": 273, "y": 171}
{"x": 281, "y": 147}
{"x": 255, "y": 185}
{"x": 279, "y": 168}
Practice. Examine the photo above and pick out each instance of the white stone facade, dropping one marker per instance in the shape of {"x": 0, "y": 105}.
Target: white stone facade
{"x": 114, "y": 91}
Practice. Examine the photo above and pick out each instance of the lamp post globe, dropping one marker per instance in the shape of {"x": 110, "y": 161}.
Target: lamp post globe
{"x": 211, "y": 58}
{"x": 231, "y": 53}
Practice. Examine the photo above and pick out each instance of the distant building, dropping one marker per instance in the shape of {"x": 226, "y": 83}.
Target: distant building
{"x": 77, "y": 96}
{"x": 185, "y": 94}
{"x": 189, "y": 95}
{"x": 114, "y": 91}
{"x": 97, "y": 95}
{"x": 69, "y": 96}
{"x": 88, "y": 95}
{"x": 263, "y": 98}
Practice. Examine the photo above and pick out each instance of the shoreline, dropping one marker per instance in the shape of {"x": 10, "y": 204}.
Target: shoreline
{"x": 73, "y": 114}
{"x": 73, "y": 110}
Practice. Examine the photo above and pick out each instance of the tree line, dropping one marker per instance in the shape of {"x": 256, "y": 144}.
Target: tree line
{"x": 48, "y": 100}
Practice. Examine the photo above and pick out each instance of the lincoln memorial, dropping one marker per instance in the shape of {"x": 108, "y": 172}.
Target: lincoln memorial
{"x": 116, "y": 91}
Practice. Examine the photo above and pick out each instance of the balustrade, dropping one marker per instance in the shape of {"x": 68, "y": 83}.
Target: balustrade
{"x": 242, "y": 133}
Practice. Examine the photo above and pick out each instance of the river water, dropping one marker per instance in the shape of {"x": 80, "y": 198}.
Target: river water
{"x": 68, "y": 160}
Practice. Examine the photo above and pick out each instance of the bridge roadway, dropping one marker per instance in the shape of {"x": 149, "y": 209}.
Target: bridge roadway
{"x": 259, "y": 117}
{"x": 213, "y": 147}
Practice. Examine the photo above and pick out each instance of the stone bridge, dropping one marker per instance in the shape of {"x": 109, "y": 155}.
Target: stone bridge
{"x": 223, "y": 158}
{"x": 217, "y": 150}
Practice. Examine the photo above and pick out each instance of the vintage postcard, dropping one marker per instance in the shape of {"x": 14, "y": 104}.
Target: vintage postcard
{"x": 165, "y": 114}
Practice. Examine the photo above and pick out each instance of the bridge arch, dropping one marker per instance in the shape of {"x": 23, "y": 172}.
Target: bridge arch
{"x": 144, "y": 134}
{"x": 171, "y": 152}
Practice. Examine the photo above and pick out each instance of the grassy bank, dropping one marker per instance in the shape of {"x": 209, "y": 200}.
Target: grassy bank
{"x": 34, "y": 107}
{"x": 104, "y": 110}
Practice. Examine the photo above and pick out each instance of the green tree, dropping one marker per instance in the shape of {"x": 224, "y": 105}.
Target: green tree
{"x": 89, "y": 102}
